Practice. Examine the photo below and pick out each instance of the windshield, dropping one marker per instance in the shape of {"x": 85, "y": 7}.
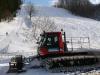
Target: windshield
{"x": 50, "y": 41}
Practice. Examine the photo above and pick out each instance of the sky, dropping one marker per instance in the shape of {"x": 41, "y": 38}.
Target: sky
{"x": 40, "y": 2}
{"x": 48, "y": 2}
{"x": 95, "y": 1}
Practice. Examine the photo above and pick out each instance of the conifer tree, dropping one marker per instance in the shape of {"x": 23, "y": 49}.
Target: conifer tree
{"x": 8, "y": 8}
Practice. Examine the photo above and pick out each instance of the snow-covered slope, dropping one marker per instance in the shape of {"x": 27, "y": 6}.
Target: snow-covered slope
{"x": 81, "y": 27}
{"x": 52, "y": 12}
{"x": 74, "y": 26}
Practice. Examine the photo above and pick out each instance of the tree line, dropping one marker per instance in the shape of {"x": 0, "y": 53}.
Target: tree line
{"x": 8, "y": 9}
{"x": 79, "y": 7}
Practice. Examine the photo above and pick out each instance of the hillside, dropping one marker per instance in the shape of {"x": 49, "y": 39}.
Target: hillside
{"x": 14, "y": 42}
{"x": 74, "y": 26}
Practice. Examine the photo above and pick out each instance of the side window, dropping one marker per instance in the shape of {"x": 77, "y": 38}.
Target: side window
{"x": 43, "y": 41}
{"x": 49, "y": 41}
{"x": 56, "y": 39}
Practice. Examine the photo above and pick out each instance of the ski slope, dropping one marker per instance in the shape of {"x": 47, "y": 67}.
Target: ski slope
{"x": 14, "y": 41}
{"x": 74, "y": 26}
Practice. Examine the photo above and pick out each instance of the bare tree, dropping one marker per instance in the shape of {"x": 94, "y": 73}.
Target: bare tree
{"x": 39, "y": 24}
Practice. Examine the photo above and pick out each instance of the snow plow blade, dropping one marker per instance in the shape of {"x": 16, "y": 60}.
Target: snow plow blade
{"x": 16, "y": 65}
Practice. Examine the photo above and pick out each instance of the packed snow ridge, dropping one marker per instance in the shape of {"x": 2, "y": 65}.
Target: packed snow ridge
{"x": 74, "y": 26}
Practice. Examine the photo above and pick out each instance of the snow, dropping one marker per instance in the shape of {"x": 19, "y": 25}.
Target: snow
{"x": 78, "y": 27}
{"x": 4, "y": 64}
{"x": 52, "y": 12}
{"x": 74, "y": 26}
{"x": 15, "y": 43}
